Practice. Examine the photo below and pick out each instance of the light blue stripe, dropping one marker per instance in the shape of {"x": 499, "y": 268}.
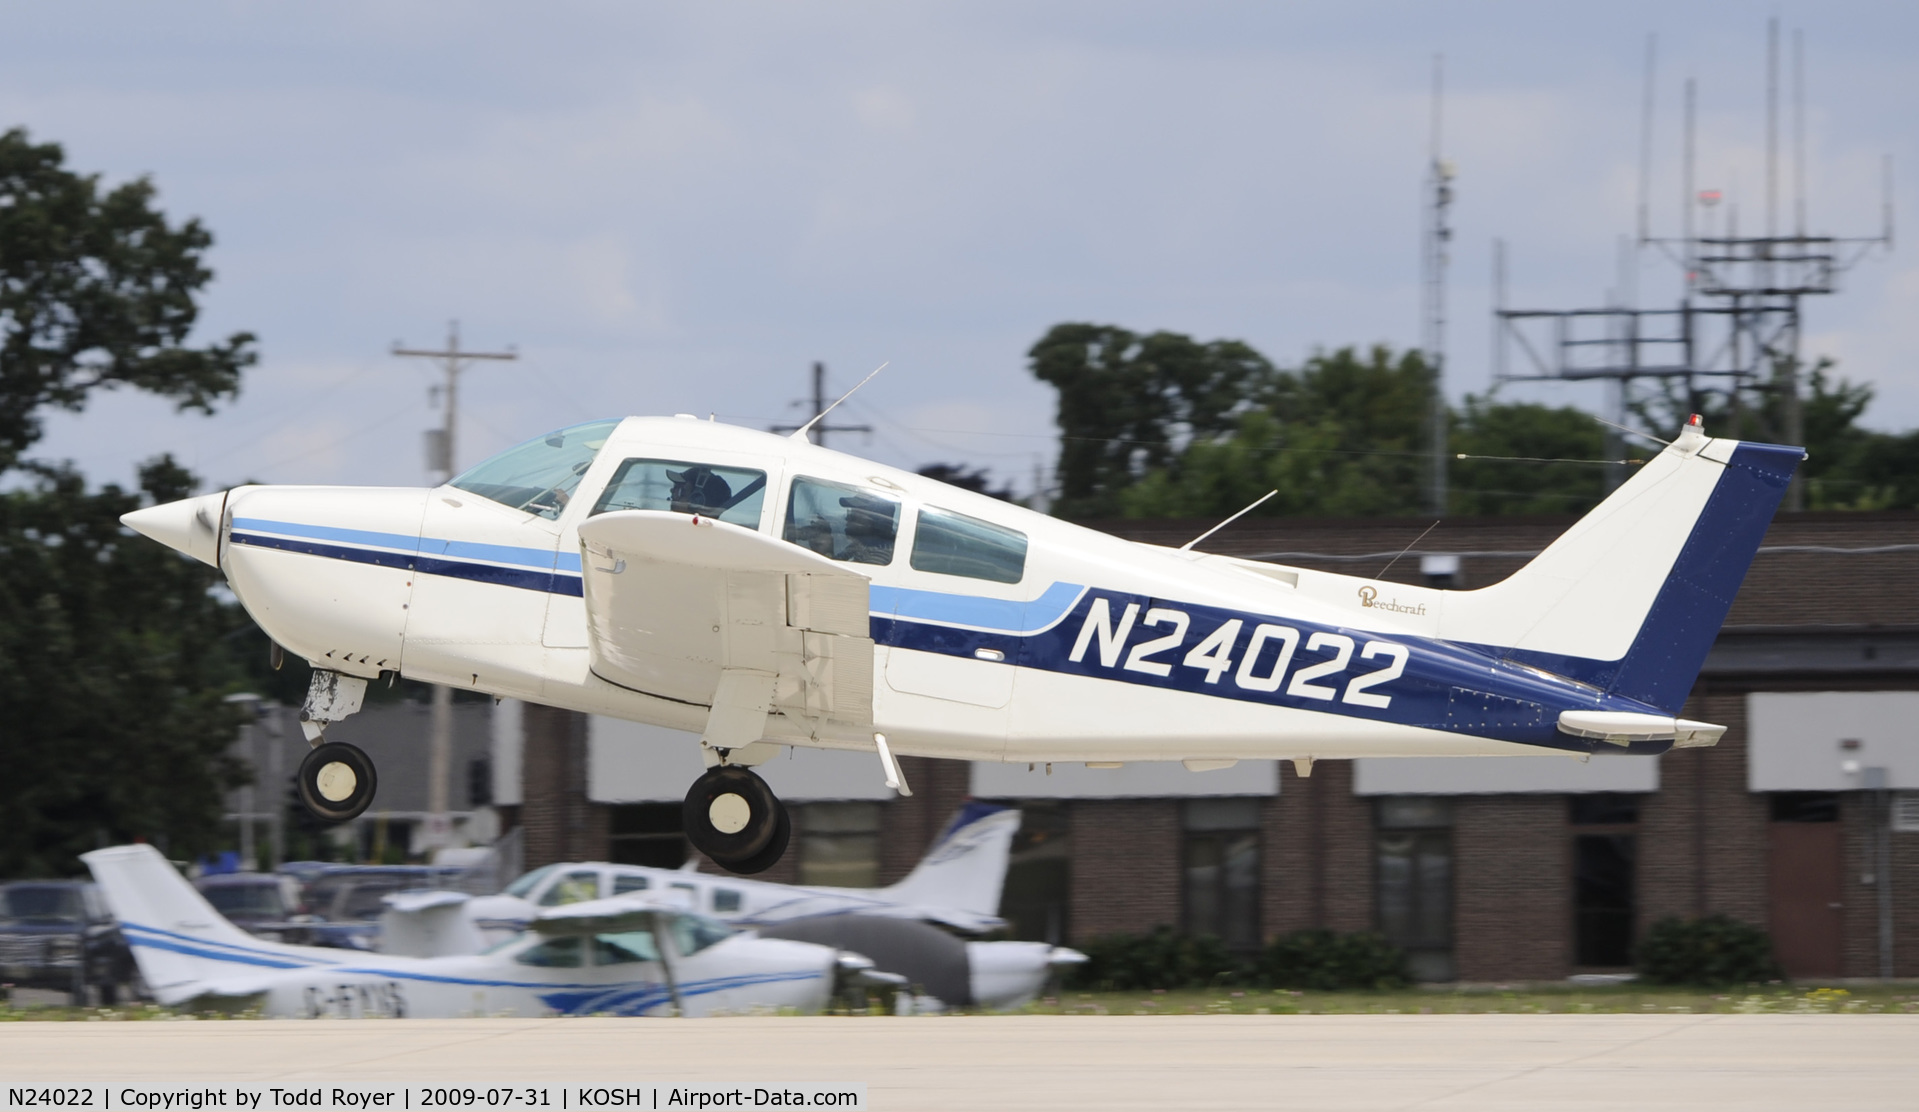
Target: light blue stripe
{"x": 329, "y": 533}
{"x": 229, "y": 953}
{"x": 543, "y": 558}
{"x": 998, "y": 614}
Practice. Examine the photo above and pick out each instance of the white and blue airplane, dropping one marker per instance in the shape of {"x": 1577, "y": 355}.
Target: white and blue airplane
{"x": 956, "y": 885}
{"x": 764, "y": 592}
{"x": 627, "y": 955}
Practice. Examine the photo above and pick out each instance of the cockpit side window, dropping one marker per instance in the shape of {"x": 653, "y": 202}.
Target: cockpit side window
{"x": 842, "y": 522}
{"x": 731, "y": 494}
{"x": 954, "y": 544}
{"x": 540, "y": 475}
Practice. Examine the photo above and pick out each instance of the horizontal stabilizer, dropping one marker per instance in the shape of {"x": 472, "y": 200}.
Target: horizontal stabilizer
{"x": 1620, "y": 728}
{"x": 428, "y": 925}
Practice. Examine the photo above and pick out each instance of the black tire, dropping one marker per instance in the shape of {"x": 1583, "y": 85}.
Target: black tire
{"x": 741, "y": 792}
{"x": 337, "y": 782}
{"x": 774, "y": 849}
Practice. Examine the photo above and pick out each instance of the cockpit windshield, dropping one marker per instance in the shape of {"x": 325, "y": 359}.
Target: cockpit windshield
{"x": 540, "y": 475}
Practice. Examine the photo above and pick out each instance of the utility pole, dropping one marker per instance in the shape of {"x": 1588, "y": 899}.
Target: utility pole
{"x": 818, "y": 433}
{"x": 440, "y": 457}
{"x": 1438, "y": 234}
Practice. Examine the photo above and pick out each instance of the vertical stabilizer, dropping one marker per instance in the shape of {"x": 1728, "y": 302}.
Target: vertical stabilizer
{"x": 180, "y": 942}
{"x": 966, "y": 868}
{"x": 1631, "y": 598}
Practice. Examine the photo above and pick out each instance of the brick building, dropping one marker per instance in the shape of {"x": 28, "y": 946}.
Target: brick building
{"x": 1804, "y": 818}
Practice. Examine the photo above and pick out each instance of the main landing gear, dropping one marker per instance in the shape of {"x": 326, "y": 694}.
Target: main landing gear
{"x": 735, "y": 819}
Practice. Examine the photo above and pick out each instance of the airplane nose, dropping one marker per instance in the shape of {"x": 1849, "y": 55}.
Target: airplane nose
{"x": 191, "y": 525}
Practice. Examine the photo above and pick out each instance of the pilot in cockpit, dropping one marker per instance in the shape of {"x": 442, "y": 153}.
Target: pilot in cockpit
{"x": 699, "y": 490}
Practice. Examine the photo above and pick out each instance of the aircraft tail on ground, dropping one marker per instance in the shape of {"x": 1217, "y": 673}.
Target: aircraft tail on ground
{"x": 1631, "y": 598}
{"x": 179, "y": 941}
{"x": 966, "y": 866}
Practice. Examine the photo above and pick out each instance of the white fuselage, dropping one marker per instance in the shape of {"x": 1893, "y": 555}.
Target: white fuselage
{"x": 529, "y": 976}
{"x": 843, "y": 599}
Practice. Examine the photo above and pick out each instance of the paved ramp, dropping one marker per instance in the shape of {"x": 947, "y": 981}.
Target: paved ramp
{"x": 989, "y": 1063}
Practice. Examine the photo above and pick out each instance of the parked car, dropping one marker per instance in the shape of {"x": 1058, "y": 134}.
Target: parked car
{"x": 58, "y": 935}
{"x": 264, "y": 905}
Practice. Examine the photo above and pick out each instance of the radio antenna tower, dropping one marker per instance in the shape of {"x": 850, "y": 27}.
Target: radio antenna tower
{"x": 1737, "y": 328}
{"x": 1438, "y": 233}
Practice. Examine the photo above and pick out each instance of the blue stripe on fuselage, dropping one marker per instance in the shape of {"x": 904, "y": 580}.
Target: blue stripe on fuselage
{"x": 1443, "y": 687}
{"x": 546, "y": 558}
{"x": 988, "y": 614}
{"x": 575, "y": 995}
{"x": 552, "y": 582}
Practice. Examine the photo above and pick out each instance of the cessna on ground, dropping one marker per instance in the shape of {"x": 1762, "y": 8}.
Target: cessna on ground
{"x": 628, "y": 955}
{"x": 956, "y": 885}
{"x": 764, "y": 592}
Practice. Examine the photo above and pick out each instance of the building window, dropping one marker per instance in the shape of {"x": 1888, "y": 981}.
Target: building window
{"x": 1036, "y": 895}
{"x": 1220, "y": 863}
{"x": 1604, "y": 850}
{"x": 840, "y": 844}
{"x": 1805, "y": 806}
{"x": 479, "y": 782}
{"x": 646, "y": 834}
{"x": 1413, "y": 871}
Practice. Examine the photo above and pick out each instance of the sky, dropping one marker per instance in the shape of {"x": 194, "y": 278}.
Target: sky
{"x": 678, "y": 207}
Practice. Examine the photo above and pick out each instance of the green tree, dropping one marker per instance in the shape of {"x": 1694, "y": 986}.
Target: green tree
{"x": 114, "y": 658}
{"x": 1847, "y": 467}
{"x": 1128, "y": 404}
{"x": 1515, "y": 459}
{"x": 1340, "y": 436}
{"x": 115, "y": 654}
{"x": 96, "y": 290}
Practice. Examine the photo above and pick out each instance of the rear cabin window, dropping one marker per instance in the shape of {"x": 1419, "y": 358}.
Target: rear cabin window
{"x": 540, "y": 475}
{"x": 731, "y": 494}
{"x": 954, "y": 544}
{"x": 842, "y": 522}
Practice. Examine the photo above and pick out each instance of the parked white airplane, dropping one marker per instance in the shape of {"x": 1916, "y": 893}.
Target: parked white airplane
{"x": 766, "y": 592}
{"x": 957, "y": 884}
{"x": 623, "y": 956}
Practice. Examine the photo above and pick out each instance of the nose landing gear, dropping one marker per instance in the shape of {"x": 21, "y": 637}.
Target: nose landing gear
{"x": 734, "y": 818}
{"x": 337, "y": 781}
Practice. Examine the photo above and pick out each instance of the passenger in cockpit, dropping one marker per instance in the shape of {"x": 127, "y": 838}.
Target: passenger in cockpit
{"x": 871, "y": 524}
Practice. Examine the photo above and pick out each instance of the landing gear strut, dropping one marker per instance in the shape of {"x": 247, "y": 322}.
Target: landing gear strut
{"x": 337, "y": 781}
{"x": 734, "y": 818}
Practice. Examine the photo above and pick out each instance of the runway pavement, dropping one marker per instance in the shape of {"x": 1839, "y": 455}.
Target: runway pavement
{"x": 1641, "y": 1062}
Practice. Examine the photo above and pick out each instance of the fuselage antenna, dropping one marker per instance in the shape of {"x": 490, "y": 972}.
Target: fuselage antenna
{"x": 800, "y": 433}
{"x": 1188, "y": 546}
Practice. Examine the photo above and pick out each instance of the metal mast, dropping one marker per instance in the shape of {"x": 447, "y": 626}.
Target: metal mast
{"x": 1439, "y": 189}
{"x": 1738, "y": 322}
{"x": 440, "y": 457}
